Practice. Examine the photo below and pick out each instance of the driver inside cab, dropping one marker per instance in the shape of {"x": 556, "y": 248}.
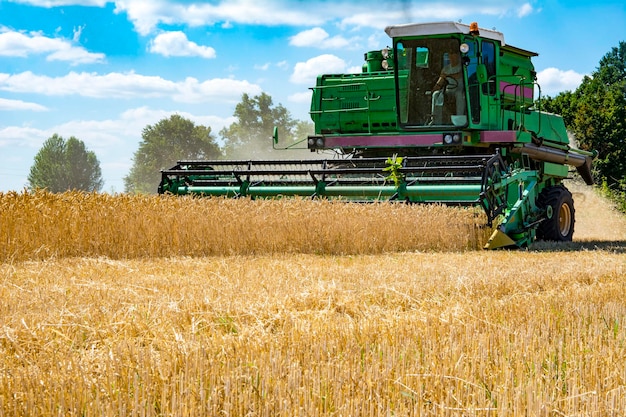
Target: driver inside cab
{"x": 452, "y": 70}
{"x": 449, "y": 85}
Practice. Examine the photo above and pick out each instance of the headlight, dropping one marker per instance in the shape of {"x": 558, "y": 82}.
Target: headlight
{"x": 385, "y": 64}
{"x": 315, "y": 142}
{"x": 452, "y": 138}
{"x": 464, "y": 48}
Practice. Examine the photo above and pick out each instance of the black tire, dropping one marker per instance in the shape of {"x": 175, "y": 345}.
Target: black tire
{"x": 559, "y": 211}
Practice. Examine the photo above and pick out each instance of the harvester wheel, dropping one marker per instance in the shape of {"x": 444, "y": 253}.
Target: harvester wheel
{"x": 559, "y": 222}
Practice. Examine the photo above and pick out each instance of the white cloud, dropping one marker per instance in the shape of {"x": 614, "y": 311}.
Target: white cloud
{"x": 306, "y": 72}
{"x": 217, "y": 89}
{"x": 147, "y": 15}
{"x": 304, "y": 97}
{"x": 75, "y": 56}
{"x": 176, "y": 44}
{"x": 262, "y": 67}
{"x": 22, "y": 136}
{"x": 77, "y": 33}
{"x": 429, "y": 11}
{"x": 6, "y": 104}
{"x": 143, "y": 116}
{"x": 524, "y": 10}
{"x": 373, "y": 19}
{"x": 554, "y": 81}
{"x": 18, "y": 44}
{"x": 421, "y": 12}
{"x": 56, "y": 3}
{"x": 376, "y": 40}
{"x": 106, "y": 136}
{"x": 128, "y": 85}
{"x": 319, "y": 38}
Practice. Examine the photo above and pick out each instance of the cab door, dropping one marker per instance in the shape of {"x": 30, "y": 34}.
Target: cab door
{"x": 480, "y": 62}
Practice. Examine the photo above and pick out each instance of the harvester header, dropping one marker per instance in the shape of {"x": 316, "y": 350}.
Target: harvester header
{"x": 445, "y": 115}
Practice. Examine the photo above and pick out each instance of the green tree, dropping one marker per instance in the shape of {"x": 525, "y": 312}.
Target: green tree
{"x": 162, "y": 145}
{"x": 251, "y": 135}
{"x": 596, "y": 114}
{"x": 303, "y": 130}
{"x": 62, "y": 165}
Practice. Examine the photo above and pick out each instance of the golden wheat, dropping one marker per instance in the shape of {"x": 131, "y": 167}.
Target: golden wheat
{"x": 45, "y": 225}
{"x": 111, "y": 306}
{"x": 492, "y": 333}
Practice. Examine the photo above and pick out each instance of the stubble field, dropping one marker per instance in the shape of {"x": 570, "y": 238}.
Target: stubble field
{"x": 155, "y": 307}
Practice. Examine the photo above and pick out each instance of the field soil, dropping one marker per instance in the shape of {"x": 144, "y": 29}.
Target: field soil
{"x": 453, "y": 332}
{"x": 596, "y": 218}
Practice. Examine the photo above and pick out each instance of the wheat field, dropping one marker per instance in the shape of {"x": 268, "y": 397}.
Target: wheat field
{"x": 189, "y": 307}
{"x": 45, "y": 225}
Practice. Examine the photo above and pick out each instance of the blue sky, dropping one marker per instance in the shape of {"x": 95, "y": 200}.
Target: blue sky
{"x": 103, "y": 70}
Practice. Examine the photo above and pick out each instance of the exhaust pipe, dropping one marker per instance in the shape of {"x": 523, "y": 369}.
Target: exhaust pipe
{"x": 581, "y": 162}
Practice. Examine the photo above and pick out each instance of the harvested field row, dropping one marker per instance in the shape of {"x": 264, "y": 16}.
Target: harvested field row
{"x": 495, "y": 333}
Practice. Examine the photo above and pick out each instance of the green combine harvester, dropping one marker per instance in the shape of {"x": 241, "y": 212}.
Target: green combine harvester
{"x": 445, "y": 116}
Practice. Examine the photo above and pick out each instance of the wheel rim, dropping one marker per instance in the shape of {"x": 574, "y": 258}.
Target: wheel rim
{"x": 565, "y": 219}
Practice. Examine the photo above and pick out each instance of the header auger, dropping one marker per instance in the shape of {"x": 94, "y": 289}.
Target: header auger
{"x": 447, "y": 116}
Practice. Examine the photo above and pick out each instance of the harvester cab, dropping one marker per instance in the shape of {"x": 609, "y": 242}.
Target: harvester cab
{"x": 447, "y": 116}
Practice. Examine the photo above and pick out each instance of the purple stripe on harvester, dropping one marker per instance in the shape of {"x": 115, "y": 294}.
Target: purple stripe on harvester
{"x": 491, "y": 136}
{"x": 395, "y": 140}
{"x": 514, "y": 89}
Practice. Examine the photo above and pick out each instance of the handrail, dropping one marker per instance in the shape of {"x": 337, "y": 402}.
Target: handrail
{"x": 519, "y": 85}
{"x": 367, "y": 99}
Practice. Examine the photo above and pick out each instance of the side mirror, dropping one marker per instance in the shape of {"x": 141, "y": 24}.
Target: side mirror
{"x": 275, "y": 141}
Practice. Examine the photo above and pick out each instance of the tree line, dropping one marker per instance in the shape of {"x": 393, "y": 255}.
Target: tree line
{"x": 62, "y": 165}
{"x": 595, "y": 113}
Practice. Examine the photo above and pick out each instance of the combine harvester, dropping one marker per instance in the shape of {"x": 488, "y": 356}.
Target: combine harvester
{"x": 445, "y": 116}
